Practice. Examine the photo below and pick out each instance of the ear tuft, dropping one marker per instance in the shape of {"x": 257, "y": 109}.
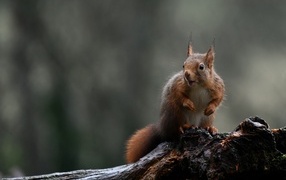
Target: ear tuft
{"x": 190, "y": 49}
{"x": 210, "y": 57}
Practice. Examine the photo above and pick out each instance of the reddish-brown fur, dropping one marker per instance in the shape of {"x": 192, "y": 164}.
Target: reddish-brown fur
{"x": 142, "y": 142}
{"x": 189, "y": 99}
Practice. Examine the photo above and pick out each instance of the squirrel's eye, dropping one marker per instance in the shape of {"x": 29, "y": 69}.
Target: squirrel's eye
{"x": 184, "y": 65}
{"x": 201, "y": 66}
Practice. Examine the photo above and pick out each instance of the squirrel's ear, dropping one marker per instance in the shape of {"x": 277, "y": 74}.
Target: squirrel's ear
{"x": 190, "y": 49}
{"x": 210, "y": 57}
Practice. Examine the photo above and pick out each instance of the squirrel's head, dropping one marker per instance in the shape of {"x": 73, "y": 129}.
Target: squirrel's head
{"x": 198, "y": 68}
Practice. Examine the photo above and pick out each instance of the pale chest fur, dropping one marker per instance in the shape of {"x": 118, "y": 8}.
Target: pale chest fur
{"x": 200, "y": 97}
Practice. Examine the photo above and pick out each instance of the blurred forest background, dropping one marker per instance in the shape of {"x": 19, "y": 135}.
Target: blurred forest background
{"x": 77, "y": 78}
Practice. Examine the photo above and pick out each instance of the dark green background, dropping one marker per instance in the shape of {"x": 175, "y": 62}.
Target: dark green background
{"x": 77, "y": 78}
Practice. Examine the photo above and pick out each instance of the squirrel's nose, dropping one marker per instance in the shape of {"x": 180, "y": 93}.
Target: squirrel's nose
{"x": 187, "y": 75}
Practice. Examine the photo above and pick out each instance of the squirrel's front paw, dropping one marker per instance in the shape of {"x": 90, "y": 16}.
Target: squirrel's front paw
{"x": 189, "y": 104}
{"x": 212, "y": 130}
{"x": 185, "y": 127}
{"x": 210, "y": 110}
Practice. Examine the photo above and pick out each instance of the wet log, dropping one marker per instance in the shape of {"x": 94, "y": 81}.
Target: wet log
{"x": 251, "y": 151}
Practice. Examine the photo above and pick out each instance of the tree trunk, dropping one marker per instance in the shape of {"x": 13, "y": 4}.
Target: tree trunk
{"x": 251, "y": 151}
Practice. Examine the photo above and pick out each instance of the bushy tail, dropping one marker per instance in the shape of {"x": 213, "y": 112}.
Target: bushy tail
{"x": 142, "y": 142}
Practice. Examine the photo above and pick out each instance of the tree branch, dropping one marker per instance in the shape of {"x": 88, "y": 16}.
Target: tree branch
{"x": 252, "y": 150}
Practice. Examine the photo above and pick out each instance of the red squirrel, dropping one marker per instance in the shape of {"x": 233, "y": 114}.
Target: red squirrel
{"x": 189, "y": 99}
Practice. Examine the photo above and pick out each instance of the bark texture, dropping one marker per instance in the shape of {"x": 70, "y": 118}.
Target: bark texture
{"x": 251, "y": 151}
